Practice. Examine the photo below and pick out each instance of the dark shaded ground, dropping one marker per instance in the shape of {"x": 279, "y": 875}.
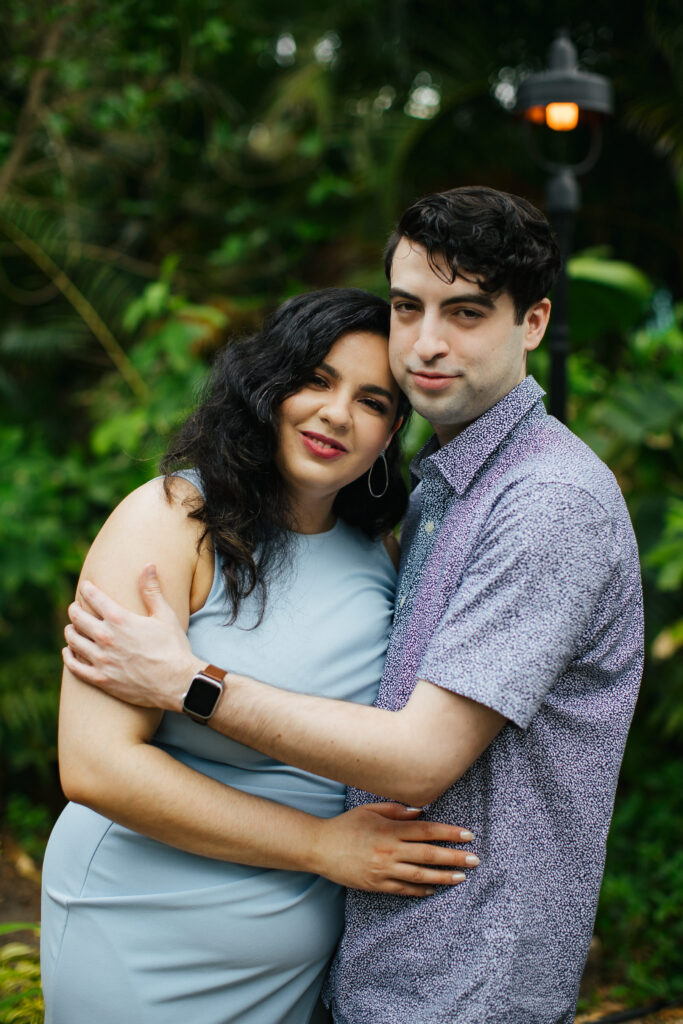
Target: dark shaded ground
{"x": 20, "y": 902}
{"x": 19, "y": 884}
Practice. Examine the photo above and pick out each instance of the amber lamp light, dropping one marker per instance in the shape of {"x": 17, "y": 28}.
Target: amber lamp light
{"x": 560, "y": 99}
{"x": 560, "y": 96}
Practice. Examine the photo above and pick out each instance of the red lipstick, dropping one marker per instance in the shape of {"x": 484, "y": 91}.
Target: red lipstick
{"x": 322, "y": 446}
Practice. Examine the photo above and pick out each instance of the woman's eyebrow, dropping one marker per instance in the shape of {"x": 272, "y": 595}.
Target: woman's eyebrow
{"x": 375, "y": 389}
{"x": 372, "y": 389}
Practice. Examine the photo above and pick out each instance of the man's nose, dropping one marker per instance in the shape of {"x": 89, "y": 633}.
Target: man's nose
{"x": 430, "y": 343}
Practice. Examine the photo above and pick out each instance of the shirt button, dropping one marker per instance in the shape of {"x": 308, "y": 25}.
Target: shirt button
{"x": 402, "y": 601}
{"x": 429, "y": 527}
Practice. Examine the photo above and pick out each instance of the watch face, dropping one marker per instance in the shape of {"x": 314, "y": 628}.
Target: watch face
{"x": 202, "y": 697}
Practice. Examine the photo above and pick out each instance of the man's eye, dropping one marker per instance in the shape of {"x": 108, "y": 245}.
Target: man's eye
{"x": 469, "y": 314}
{"x": 404, "y": 307}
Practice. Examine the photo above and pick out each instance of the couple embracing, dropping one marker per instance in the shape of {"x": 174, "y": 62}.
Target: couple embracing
{"x": 249, "y": 640}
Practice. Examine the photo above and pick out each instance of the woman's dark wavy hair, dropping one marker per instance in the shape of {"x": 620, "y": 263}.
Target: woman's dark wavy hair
{"x": 231, "y": 439}
{"x": 495, "y": 238}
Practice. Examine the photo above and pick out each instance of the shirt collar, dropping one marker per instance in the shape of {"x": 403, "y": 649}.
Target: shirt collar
{"x": 461, "y": 459}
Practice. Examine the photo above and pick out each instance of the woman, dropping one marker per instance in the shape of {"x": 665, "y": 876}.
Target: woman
{"x": 178, "y": 884}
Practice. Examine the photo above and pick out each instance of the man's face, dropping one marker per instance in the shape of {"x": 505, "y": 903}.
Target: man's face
{"x": 454, "y": 349}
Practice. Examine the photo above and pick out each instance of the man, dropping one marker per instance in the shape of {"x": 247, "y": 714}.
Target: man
{"x": 514, "y": 661}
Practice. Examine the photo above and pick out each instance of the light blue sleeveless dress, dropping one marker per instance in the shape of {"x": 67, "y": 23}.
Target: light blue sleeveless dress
{"x": 137, "y": 932}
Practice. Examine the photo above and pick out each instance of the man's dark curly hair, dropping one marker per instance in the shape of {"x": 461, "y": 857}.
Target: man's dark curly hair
{"x": 231, "y": 439}
{"x": 497, "y": 239}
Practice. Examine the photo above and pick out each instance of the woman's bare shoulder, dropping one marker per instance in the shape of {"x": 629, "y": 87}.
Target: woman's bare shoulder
{"x": 150, "y": 525}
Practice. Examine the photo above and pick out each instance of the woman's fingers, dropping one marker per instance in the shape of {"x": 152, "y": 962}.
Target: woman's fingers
{"x": 397, "y": 888}
{"x": 413, "y": 880}
{"x": 437, "y": 856}
{"x": 434, "y": 832}
{"x": 398, "y": 812}
{"x": 416, "y": 831}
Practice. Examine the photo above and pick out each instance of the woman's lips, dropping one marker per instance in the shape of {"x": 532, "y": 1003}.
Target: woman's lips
{"x": 324, "y": 447}
{"x": 431, "y": 382}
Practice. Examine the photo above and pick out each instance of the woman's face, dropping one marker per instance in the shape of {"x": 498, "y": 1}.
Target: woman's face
{"x": 333, "y": 428}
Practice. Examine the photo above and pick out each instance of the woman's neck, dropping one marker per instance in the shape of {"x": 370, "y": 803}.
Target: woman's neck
{"x": 313, "y": 516}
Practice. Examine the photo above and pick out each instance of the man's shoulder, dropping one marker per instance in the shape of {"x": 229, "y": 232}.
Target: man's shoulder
{"x": 552, "y": 462}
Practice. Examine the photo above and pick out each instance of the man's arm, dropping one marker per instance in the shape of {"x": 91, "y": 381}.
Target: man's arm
{"x": 412, "y": 755}
{"x": 510, "y": 630}
{"x": 108, "y": 763}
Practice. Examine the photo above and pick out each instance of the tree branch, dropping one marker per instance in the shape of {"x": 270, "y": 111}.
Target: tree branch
{"x": 31, "y": 105}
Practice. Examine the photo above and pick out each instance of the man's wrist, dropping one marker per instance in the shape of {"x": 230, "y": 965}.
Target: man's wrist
{"x": 182, "y": 678}
{"x": 203, "y": 692}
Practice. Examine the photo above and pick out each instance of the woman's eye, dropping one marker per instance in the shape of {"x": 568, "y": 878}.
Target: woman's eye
{"x": 318, "y": 379}
{"x": 374, "y": 404}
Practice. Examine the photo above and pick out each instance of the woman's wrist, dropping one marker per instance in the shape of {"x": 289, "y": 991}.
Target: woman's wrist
{"x": 317, "y": 851}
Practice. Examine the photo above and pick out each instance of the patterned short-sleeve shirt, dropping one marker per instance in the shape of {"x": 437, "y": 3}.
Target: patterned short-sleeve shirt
{"x": 520, "y": 589}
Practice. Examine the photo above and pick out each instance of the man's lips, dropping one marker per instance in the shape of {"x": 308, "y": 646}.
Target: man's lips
{"x": 322, "y": 446}
{"x": 432, "y": 381}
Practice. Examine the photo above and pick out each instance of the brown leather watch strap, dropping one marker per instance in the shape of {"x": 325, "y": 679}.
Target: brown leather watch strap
{"x": 214, "y": 672}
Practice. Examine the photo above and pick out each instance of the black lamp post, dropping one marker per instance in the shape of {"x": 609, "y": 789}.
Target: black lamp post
{"x": 561, "y": 98}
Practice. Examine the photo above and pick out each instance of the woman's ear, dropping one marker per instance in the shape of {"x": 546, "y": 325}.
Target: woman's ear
{"x": 397, "y": 426}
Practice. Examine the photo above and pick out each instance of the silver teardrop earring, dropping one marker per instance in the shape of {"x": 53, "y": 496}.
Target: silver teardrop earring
{"x": 381, "y": 493}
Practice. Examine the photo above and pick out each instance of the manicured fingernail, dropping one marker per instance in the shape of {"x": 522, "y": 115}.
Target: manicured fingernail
{"x": 85, "y": 587}
{"x": 429, "y": 892}
{"x": 471, "y": 860}
{"x": 414, "y": 809}
{"x": 466, "y": 836}
{"x": 458, "y": 876}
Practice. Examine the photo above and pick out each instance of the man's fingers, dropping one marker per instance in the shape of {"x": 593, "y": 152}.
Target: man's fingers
{"x": 81, "y": 669}
{"x": 84, "y": 624}
{"x": 81, "y": 645}
{"x": 150, "y": 591}
{"x": 101, "y": 603}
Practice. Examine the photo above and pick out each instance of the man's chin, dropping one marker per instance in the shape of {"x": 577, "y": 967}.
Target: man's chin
{"x": 438, "y": 408}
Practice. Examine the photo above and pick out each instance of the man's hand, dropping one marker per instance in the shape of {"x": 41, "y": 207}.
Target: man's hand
{"x": 143, "y": 660}
{"x": 381, "y": 848}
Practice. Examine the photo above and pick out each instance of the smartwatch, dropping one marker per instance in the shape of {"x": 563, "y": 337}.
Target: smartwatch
{"x": 202, "y": 696}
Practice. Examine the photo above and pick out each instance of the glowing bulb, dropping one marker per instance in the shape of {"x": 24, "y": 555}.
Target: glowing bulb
{"x": 562, "y": 117}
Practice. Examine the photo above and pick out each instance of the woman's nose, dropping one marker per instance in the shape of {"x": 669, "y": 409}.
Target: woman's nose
{"x": 336, "y": 410}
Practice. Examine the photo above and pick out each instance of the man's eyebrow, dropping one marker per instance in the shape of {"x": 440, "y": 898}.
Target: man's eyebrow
{"x": 471, "y": 298}
{"x": 371, "y": 389}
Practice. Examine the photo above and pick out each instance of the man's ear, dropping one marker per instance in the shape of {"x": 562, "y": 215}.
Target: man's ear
{"x": 535, "y": 323}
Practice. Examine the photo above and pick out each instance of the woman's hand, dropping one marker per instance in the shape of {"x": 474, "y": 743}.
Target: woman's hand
{"x": 382, "y": 848}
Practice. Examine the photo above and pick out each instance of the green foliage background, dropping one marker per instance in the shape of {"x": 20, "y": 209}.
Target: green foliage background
{"x": 167, "y": 175}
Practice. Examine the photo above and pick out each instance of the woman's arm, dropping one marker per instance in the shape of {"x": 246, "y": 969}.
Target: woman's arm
{"x": 107, "y": 762}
